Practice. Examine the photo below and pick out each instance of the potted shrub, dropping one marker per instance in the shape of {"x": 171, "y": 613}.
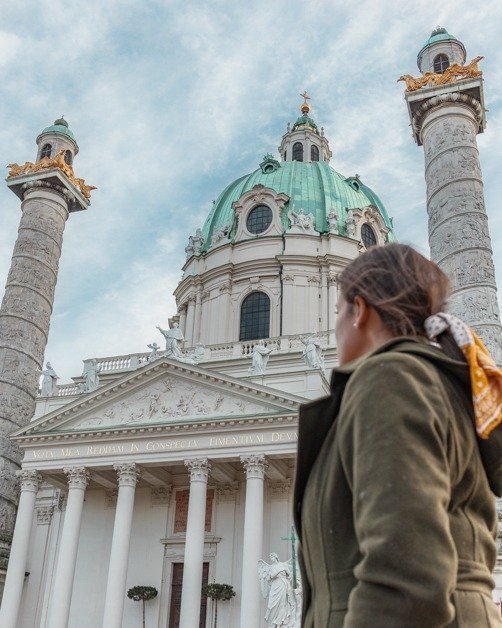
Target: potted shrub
{"x": 142, "y": 593}
{"x": 217, "y": 592}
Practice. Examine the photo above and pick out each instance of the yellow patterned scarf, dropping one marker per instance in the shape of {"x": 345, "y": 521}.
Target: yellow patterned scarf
{"x": 486, "y": 378}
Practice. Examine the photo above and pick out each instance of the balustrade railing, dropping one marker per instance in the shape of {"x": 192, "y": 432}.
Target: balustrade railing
{"x": 220, "y": 351}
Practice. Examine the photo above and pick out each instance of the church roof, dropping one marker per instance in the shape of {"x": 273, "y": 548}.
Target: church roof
{"x": 314, "y": 187}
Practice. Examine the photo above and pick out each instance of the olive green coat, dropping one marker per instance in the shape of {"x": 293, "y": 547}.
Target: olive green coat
{"x": 393, "y": 507}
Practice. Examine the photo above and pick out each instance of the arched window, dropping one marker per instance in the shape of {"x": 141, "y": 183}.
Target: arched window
{"x": 255, "y": 317}
{"x": 285, "y": 155}
{"x": 68, "y": 157}
{"x": 441, "y": 62}
{"x": 297, "y": 151}
{"x": 314, "y": 153}
{"x": 46, "y": 151}
{"x": 368, "y": 236}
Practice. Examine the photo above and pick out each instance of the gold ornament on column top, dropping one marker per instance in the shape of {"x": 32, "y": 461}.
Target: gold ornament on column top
{"x": 450, "y": 75}
{"x": 46, "y": 163}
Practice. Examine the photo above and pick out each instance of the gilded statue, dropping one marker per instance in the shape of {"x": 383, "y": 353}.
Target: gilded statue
{"x": 450, "y": 75}
{"x": 46, "y": 163}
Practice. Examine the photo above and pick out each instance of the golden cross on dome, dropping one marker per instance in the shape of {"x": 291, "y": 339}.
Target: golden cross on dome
{"x": 305, "y": 97}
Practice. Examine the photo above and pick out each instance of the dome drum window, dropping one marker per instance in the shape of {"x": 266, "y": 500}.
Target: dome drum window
{"x": 68, "y": 157}
{"x": 255, "y": 317}
{"x": 314, "y": 153}
{"x": 368, "y": 235}
{"x": 259, "y": 219}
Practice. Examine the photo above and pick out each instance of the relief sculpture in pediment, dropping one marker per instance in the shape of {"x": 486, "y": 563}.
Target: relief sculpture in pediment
{"x": 169, "y": 400}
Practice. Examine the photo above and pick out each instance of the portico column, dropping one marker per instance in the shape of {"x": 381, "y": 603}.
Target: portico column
{"x": 19, "y": 550}
{"x": 78, "y": 478}
{"x": 254, "y": 466}
{"x": 194, "y": 544}
{"x": 117, "y": 572}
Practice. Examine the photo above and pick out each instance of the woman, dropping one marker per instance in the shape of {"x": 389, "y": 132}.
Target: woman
{"x": 394, "y": 493}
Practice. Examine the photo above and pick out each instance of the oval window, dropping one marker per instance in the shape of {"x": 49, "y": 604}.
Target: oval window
{"x": 259, "y": 219}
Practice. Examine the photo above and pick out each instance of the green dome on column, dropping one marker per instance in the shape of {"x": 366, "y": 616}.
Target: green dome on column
{"x": 60, "y": 126}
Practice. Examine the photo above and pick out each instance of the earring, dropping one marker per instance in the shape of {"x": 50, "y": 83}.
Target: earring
{"x": 354, "y": 324}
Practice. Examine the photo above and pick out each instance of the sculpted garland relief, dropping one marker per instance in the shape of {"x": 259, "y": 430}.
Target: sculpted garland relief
{"x": 171, "y": 399}
{"x": 469, "y": 230}
{"x": 456, "y": 163}
{"x": 449, "y": 134}
{"x": 445, "y": 205}
{"x": 468, "y": 268}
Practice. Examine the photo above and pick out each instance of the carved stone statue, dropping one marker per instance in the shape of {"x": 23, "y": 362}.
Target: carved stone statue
{"x": 220, "y": 233}
{"x": 301, "y": 220}
{"x": 91, "y": 376}
{"x": 173, "y": 336}
{"x": 313, "y": 352}
{"x": 260, "y": 357}
{"x": 153, "y": 355}
{"x": 49, "y": 381}
{"x": 333, "y": 221}
{"x": 195, "y": 244}
{"x": 350, "y": 224}
{"x": 276, "y": 587}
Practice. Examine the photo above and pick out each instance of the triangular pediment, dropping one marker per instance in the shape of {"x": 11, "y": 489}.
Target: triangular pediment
{"x": 162, "y": 393}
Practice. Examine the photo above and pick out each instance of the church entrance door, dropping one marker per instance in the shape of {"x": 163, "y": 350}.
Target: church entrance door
{"x": 175, "y": 604}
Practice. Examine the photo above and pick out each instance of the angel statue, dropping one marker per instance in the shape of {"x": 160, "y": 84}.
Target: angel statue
{"x": 275, "y": 580}
{"x": 260, "y": 357}
{"x": 173, "y": 337}
{"x": 49, "y": 381}
{"x": 301, "y": 220}
{"x": 313, "y": 352}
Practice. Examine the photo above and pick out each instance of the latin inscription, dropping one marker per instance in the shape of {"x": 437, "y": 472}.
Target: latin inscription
{"x": 155, "y": 446}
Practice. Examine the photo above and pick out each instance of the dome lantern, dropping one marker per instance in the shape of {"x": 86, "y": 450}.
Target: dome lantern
{"x": 304, "y": 142}
{"x": 56, "y": 138}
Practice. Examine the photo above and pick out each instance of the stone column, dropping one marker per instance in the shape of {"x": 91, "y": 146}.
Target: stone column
{"x": 198, "y": 318}
{"x": 194, "y": 544}
{"x": 13, "y": 589}
{"x": 458, "y": 224}
{"x": 190, "y": 319}
{"x": 78, "y": 478}
{"x": 254, "y": 466}
{"x": 117, "y": 572}
{"x": 24, "y": 322}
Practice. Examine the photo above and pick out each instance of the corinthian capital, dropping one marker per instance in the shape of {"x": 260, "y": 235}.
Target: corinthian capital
{"x": 30, "y": 479}
{"x": 127, "y": 473}
{"x": 254, "y": 465}
{"x": 78, "y": 477}
{"x": 199, "y": 469}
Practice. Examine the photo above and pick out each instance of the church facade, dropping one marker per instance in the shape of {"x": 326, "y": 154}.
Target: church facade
{"x": 174, "y": 468}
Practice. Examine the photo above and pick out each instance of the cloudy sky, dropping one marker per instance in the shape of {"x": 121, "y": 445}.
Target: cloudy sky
{"x": 171, "y": 100}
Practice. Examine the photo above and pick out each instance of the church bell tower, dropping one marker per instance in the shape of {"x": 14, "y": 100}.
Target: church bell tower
{"x": 446, "y": 109}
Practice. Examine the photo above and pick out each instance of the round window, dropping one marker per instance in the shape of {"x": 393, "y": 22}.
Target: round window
{"x": 368, "y": 236}
{"x": 259, "y": 219}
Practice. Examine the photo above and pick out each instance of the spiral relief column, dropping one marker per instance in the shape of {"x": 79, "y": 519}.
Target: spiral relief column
{"x": 49, "y": 191}
{"x": 447, "y": 112}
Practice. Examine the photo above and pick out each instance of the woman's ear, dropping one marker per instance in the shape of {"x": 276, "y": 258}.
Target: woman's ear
{"x": 361, "y": 312}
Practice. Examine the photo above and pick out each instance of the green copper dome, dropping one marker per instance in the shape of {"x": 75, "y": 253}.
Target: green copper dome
{"x": 60, "y": 126}
{"x": 314, "y": 187}
{"x": 440, "y": 34}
